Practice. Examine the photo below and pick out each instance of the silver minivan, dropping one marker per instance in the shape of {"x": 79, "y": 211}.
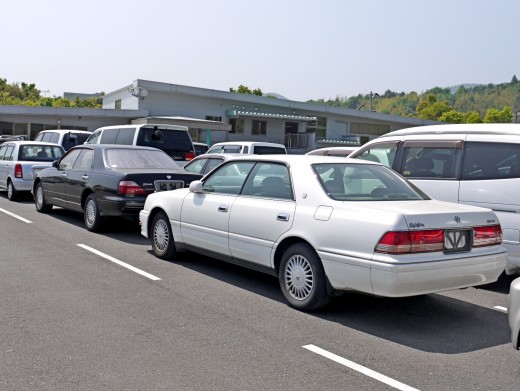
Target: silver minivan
{"x": 474, "y": 164}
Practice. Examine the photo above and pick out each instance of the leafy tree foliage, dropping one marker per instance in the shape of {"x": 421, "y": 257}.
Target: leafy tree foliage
{"x": 245, "y": 90}
{"x": 24, "y": 94}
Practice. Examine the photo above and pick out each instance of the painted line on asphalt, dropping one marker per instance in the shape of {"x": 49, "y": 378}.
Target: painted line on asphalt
{"x": 500, "y": 308}
{"x": 120, "y": 263}
{"x": 15, "y": 216}
{"x": 364, "y": 370}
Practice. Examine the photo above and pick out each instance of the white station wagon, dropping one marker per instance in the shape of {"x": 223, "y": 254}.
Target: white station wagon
{"x": 323, "y": 225}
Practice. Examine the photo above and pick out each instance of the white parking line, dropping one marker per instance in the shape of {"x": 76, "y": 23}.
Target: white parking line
{"x": 120, "y": 263}
{"x": 15, "y": 216}
{"x": 503, "y": 309}
{"x": 364, "y": 370}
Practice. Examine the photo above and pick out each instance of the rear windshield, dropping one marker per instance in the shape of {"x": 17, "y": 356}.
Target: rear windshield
{"x": 72, "y": 139}
{"x": 40, "y": 153}
{"x": 165, "y": 138}
{"x": 263, "y": 150}
{"x": 365, "y": 182}
{"x": 131, "y": 158}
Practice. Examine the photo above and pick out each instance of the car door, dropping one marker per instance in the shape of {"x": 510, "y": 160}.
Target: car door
{"x": 205, "y": 215}
{"x": 77, "y": 178}
{"x": 3, "y": 175}
{"x": 54, "y": 182}
{"x": 262, "y": 213}
{"x": 6, "y": 164}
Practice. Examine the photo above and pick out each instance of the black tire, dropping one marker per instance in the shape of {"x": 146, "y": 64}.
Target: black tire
{"x": 161, "y": 236}
{"x": 12, "y": 194}
{"x": 302, "y": 278}
{"x": 91, "y": 214}
{"x": 39, "y": 200}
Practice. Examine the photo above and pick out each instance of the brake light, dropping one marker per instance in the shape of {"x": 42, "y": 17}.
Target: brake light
{"x": 18, "y": 171}
{"x": 189, "y": 156}
{"x": 487, "y": 236}
{"x": 130, "y": 188}
{"x": 409, "y": 242}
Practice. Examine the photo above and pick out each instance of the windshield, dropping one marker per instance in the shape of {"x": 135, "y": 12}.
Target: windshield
{"x": 364, "y": 182}
{"x": 40, "y": 153}
{"x": 131, "y": 158}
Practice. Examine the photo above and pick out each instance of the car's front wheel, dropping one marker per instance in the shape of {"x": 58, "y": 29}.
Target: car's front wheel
{"x": 161, "y": 237}
{"x": 12, "y": 194}
{"x": 91, "y": 214}
{"x": 302, "y": 278}
{"x": 39, "y": 200}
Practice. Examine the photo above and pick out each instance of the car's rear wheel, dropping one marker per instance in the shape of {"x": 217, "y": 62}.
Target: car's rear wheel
{"x": 39, "y": 200}
{"x": 12, "y": 194}
{"x": 161, "y": 237}
{"x": 91, "y": 214}
{"x": 302, "y": 278}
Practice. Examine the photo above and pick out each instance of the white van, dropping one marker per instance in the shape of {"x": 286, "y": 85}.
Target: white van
{"x": 475, "y": 164}
{"x": 67, "y": 138}
{"x": 175, "y": 140}
{"x": 252, "y": 147}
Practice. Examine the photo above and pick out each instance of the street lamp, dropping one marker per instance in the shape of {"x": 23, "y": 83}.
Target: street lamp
{"x": 371, "y": 95}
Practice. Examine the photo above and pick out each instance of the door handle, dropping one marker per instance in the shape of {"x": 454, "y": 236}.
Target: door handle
{"x": 84, "y": 177}
{"x": 63, "y": 174}
{"x": 223, "y": 208}
{"x": 282, "y": 217}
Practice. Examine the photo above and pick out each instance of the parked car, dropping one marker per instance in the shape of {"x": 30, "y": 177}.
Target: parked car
{"x": 200, "y": 148}
{"x": 513, "y": 312}
{"x": 333, "y": 151}
{"x": 207, "y": 162}
{"x": 18, "y": 162}
{"x": 251, "y": 147}
{"x": 5, "y": 137}
{"x": 107, "y": 180}
{"x": 67, "y": 138}
{"x": 175, "y": 140}
{"x": 474, "y": 164}
{"x": 325, "y": 225}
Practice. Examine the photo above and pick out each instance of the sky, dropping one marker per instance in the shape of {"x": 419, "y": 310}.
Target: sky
{"x": 300, "y": 49}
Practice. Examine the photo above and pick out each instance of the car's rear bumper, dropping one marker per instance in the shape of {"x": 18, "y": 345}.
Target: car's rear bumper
{"x": 513, "y": 311}
{"x": 121, "y": 206}
{"x": 412, "y": 279}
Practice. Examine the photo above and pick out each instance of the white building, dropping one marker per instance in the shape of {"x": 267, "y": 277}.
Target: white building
{"x": 214, "y": 116}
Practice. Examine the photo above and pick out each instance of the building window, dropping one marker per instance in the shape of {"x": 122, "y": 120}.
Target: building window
{"x": 213, "y": 118}
{"x": 237, "y": 125}
{"x": 319, "y": 127}
{"x": 118, "y": 104}
{"x": 259, "y": 127}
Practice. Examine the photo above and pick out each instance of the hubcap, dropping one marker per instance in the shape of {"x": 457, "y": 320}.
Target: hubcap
{"x": 90, "y": 213}
{"x": 39, "y": 196}
{"x": 10, "y": 190}
{"x": 161, "y": 236}
{"x": 299, "y": 279}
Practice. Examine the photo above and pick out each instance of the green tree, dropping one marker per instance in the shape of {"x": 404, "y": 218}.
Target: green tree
{"x": 453, "y": 117}
{"x": 499, "y": 116}
{"x": 246, "y": 90}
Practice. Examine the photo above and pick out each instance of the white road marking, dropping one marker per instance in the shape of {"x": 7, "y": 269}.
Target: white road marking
{"x": 15, "y": 216}
{"x": 120, "y": 263}
{"x": 503, "y": 309}
{"x": 364, "y": 370}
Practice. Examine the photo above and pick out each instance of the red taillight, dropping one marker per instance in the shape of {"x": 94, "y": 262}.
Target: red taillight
{"x": 18, "y": 172}
{"x": 487, "y": 236}
{"x": 130, "y": 188}
{"x": 189, "y": 155}
{"x": 408, "y": 242}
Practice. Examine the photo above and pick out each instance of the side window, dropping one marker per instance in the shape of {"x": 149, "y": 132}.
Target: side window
{"x": 197, "y": 166}
{"x": 491, "y": 161}
{"x": 55, "y": 138}
{"x": 381, "y": 153}
{"x": 109, "y": 136}
{"x": 9, "y": 152}
{"x": 212, "y": 163}
{"x": 126, "y": 136}
{"x": 269, "y": 180}
{"x": 38, "y": 137}
{"x": 228, "y": 179}
{"x": 94, "y": 137}
{"x": 46, "y": 137}
{"x": 3, "y": 148}
{"x": 84, "y": 160}
{"x": 68, "y": 160}
{"x": 435, "y": 162}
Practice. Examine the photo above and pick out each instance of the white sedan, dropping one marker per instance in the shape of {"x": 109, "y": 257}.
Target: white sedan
{"x": 323, "y": 225}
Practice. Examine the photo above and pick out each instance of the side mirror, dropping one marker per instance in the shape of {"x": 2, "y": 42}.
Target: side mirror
{"x": 56, "y": 163}
{"x": 196, "y": 187}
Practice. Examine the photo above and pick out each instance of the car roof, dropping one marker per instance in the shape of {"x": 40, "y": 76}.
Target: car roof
{"x": 113, "y": 146}
{"x": 508, "y": 129}
{"x": 65, "y": 131}
{"x": 249, "y": 143}
{"x": 28, "y": 142}
{"x": 299, "y": 159}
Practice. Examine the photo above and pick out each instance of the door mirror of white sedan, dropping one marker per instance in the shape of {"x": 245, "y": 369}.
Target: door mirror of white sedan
{"x": 196, "y": 187}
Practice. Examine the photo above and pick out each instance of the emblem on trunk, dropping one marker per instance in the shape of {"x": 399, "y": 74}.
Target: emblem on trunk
{"x": 168, "y": 177}
{"x": 456, "y": 219}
